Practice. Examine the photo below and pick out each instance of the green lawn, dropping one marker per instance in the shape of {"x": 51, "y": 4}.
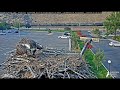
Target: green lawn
{"x": 58, "y": 30}
{"x": 101, "y": 72}
{"x": 39, "y": 30}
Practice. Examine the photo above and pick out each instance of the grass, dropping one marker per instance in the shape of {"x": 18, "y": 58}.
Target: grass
{"x": 101, "y": 72}
{"x": 58, "y": 30}
{"x": 88, "y": 56}
{"x": 81, "y": 44}
{"x": 39, "y": 30}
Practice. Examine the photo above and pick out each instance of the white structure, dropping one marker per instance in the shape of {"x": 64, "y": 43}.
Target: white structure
{"x": 109, "y": 62}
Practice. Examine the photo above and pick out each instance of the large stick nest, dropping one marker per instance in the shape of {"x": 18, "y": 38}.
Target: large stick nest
{"x": 60, "y": 66}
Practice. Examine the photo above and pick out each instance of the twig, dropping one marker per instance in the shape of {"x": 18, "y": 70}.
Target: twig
{"x": 77, "y": 73}
{"x": 31, "y": 71}
{"x": 22, "y": 59}
{"x": 48, "y": 74}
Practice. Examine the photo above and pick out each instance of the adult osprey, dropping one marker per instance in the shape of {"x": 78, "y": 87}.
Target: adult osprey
{"x": 27, "y": 46}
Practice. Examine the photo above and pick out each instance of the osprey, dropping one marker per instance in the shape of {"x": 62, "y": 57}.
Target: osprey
{"x": 26, "y": 45}
{"x": 32, "y": 49}
{"x": 30, "y": 46}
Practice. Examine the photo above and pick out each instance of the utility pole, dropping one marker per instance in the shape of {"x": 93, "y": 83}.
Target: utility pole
{"x": 109, "y": 71}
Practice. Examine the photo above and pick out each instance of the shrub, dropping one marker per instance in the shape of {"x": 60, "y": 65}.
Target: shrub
{"x": 98, "y": 58}
{"x": 96, "y": 32}
{"x": 116, "y": 38}
{"x": 67, "y": 28}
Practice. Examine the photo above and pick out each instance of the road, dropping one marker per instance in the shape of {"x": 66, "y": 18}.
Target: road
{"x": 111, "y": 53}
{"x": 9, "y": 41}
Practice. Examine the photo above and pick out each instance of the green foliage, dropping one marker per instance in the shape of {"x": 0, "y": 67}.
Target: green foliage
{"x": 88, "y": 55}
{"x": 17, "y": 25}
{"x": 49, "y": 31}
{"x": 81, "y": 44}
{"x": 116, "y": 38}
{"x": 8, "y": 26}
{"x": 4, "y": 26}
{"x": 91, "y": 58}
{"x": 58, "y": 30}
{"x": 75, "y": 39}
{"x": 67, "y": 28}
{"x": 112, "y": 23}
{"x": 98, "y": 58}
{"x": 96, "y": 32}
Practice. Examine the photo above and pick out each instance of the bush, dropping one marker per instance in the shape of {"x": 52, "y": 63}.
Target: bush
{"x": 96, "y": 32}
{"x": 2, "y": 25}
{"x": 81, "y": 44}
{"x": 117, "y": 38}
{"x": 67, "y": 28}
{"x": 98, "y": 58}
{"x": 49, "y": 31}
{"x": 75, "y": 43}
{"x": 89, "y": 57}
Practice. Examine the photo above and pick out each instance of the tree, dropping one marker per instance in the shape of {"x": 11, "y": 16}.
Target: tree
{"x": 96, "y": 32}
{"x": 112, "y": 23}
{"x": 8, "y": 26}
{"x": 17, "y": 25}
{"x": 75, "y": 39}
{"x": 98, "y": 58}
{"x": 2, "y": 26}
{"x": 49, "y": 31}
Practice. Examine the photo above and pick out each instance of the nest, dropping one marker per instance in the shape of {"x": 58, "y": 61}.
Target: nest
{"x": 52, "y": 66}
